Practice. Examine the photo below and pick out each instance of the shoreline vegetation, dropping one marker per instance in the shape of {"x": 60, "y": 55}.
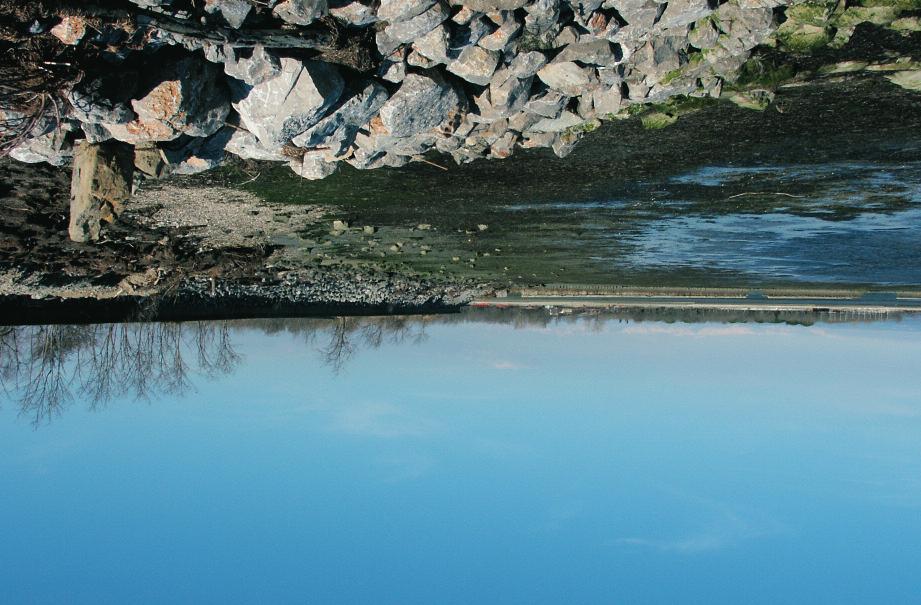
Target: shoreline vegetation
{"x": 688, "y": 305}
{"x": 198, "y": 232}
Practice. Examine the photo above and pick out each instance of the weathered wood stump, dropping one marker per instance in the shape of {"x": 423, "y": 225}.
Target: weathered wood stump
{"x": 99, "y": 187}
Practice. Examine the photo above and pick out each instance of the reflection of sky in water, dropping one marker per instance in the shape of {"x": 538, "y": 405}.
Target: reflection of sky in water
{"x": 716, "y": 176}
{"x": 874, "y": 248}
{"x": 623, "y": 462}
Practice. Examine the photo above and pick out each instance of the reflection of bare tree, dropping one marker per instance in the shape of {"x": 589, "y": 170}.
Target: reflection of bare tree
{"x": 45, "y": 367}
{"x": 346, "y": 334}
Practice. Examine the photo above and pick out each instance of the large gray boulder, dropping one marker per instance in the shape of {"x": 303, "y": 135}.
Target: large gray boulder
{"x": 337, "y": 130}
{"x": 189, "y": 98}
{"x": 421, "y": 103}
{"x": 199, "y": 154}
{"x": 91, "y": 105}
{"x": 53, "y": 147}
{"x": 244, "y": 144}
{"x": 259, "y": 66}
{"x": 279, "y": 109}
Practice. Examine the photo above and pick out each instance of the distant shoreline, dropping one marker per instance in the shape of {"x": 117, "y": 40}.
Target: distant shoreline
{"x": 191, "y": 306}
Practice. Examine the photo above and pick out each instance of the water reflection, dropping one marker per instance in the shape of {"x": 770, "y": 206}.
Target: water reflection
{"x": 45, "y": 368}
{"x": 489, "y": 457}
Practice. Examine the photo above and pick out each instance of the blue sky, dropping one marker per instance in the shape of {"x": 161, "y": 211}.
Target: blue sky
{"x": 628, "y": 462}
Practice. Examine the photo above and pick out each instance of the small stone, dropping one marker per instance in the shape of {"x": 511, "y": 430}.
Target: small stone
{"x": 231, "y": 12}
{"x": 500, "y": 39}
{"x": 301, "y": 12}
{"x": 402, "y": 10}
{"x": 416, "y": 27}
{"x": 566, "y": 120}
{"x": 525, "y": 65}
{"x": 353, "y": 12}
{"x": 566, "y": 77}
{"x": 70, "y": 30}
{"x": 475, "y": 64}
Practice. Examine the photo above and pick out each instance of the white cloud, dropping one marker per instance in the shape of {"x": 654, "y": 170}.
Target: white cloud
{"x": 508, "y": 365}
{"x": 380, "y": 420}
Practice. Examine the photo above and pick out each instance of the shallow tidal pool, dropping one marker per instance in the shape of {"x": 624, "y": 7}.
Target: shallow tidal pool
{"x": 461, "y": 459}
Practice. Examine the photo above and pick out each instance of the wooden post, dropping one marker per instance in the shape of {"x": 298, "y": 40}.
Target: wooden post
{"x": 100, "y": 185}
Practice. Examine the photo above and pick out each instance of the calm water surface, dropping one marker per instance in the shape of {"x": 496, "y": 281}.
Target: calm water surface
{"x": 460, "y": 461}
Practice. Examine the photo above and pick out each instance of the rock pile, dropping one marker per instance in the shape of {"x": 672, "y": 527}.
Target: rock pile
{"x": 467, "y": 78}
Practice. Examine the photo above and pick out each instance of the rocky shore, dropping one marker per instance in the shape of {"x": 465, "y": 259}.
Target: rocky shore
{"x": 150, "y": 92}
{"x": 465, "y": 78}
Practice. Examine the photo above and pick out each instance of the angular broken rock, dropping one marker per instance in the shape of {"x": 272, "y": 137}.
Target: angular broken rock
{"x": 393, "y": 68}
{"x": 149, "y": 161}
{"x": 596, "y": 52}
{"x": 434, "y": 45}
{"x": 190, "y": 98}
{"x": 100, "y": 185}
{"x": 301, "y": 12}
{"x": 199, "y": 154}
{"x": 510, "y": 96}
{"x": 607, "y": 101}
{"x": 548, "y": 105}
{"x": 353, "y": 12}
{"x": 566, "y": 77}
{"x": 231, "y": 12}
{"x": 525, "y": 65}
{"x": 91, "y": 106}
{"x": 684, "y": 12}
{"x": 340, "y": 126}
{"x": 416, "y": 27}
{"x": 402, "y": 10}
{"x": 245, "y": 145}
{"x": 281, "y": 108}
{"x": 53, "y": 147}
{"x": 566, "y": 120}
{"x": 488, "y": 6}
{"x": 255, "y": 69}
{"x": 500, "y": 39}
{"x": 421, "y": 103}
{"x": 475, "y": 64}
{"x": 314, "y": 165}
